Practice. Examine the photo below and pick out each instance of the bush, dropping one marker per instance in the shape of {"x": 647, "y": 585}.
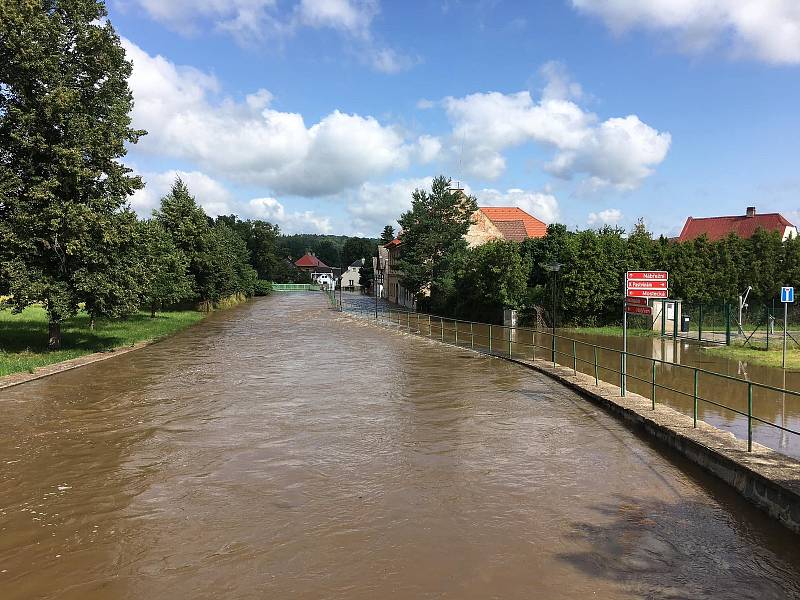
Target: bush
{"x": 262, "y": 288}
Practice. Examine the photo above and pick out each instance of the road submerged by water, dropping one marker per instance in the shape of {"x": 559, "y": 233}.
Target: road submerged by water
{"x": 281, "y": 450}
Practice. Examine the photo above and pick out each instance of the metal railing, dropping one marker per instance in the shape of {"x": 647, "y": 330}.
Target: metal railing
{"x": 483, "y": 337}
{"x": 295, "y": 287}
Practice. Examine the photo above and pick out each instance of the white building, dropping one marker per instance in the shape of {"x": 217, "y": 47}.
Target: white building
{"x": 352, "y": 276}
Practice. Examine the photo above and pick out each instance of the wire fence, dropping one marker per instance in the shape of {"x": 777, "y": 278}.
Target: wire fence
{"x": 738, "y": 405}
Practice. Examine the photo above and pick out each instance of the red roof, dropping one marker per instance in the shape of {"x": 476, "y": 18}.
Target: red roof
{"x": 512, "y": 230}
{"x": 716, "y": 228}
{"x": 393, "y": 243}
{"x": 533, "y": 226}
{"x": 308, "y": 260}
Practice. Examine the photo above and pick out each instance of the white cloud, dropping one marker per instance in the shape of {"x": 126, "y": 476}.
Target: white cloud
{"x": 251, "y": 142}
{"x": 429, "y": 148}
{"x": 375, "y": 205}
{"x": 768, "y": 30}
{"x": 619, "y": 152}
{"x": 542, "y": 205}
{"x": 610, "y": 216}
{"x": 348, "y": 15}
{"x": 425, "y": 104}
{"x": 256, "y": 21}
{"x": 290, "y": 222}
{"x": 209, "y": 193}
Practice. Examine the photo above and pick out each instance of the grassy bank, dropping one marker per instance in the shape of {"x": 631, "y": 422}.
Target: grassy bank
{"x": 611, "y": 330}
{"x": 23, "y": 337}
{"x": 756, "y": 356}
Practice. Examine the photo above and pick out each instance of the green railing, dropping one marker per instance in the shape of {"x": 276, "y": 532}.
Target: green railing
{"x": 501, "y": 340}
{"x": 295, "y": 287}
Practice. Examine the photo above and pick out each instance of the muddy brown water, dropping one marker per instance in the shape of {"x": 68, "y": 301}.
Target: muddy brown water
{"x": 280, "y": 450}
{"x": 722, "y": 401}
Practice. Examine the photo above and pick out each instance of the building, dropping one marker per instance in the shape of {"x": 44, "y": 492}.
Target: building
{"x": 716, "y": 228}
{"x": 395, "y": 292}
{"x": 318, "y": 271}
{"x": 381, "y": 274}
{"x": 352, "y": 276}
{"x": 503, "y": 223}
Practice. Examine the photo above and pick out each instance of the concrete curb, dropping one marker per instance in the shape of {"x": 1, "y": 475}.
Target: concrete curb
{"x": 768, "y": 479}
{"x": 67, "y": 365}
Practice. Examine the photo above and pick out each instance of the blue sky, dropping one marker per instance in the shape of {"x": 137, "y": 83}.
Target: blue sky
{"x": 323, "y": 115}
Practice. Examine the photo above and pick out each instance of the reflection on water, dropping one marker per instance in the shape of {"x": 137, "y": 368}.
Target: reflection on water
{"x": 280, "y": 450}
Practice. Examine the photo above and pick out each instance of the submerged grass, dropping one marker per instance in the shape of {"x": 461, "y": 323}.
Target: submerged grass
{"x": 758, "y": 356}
{"x": 23, "y": 337}
{"x": 612, "y": 330}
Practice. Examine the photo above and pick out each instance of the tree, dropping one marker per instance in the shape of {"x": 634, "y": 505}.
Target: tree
{"x": 261, "y": 238}
{"x": 64, "y": 124}
{"x": 492, "y": 277}
{"x": 356, "y": 248}
{"x": 166, "y": 268}
{"x": 387, "y": 235}
{"x": 187, "y": 224}
{"x": 433, "y": 236}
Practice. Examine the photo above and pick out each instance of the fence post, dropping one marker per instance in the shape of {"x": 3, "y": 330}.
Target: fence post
{"x": 455, "y": 323}
{"x": 471, "y": 335}
{"x": 653, "y": 391}
{"x": 622, "y": 374}
{"x": 596, "y": 372}
{"x": 554, "y": 349}
{"x": 700, "y": 324}
{"x": 533, "y": 343}
{"x": 727, "y": 310}
{"x": 749, "y": 417}
{"x": 574, "y": 359}
{"x": 510, "y": 352}
{"x": 694, "y": 411}
{"x": 408, "y": 321}
{"x": 430, "y": 327}
{"x": 441, "y": 326}
{"x": 490, "y": 339}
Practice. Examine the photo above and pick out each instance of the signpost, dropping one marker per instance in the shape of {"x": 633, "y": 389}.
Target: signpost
{"x": 787, "y": 297}
{"x": 639, "y": 286}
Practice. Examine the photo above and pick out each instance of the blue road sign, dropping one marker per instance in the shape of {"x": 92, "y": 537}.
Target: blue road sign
{"x": 787, "y": 295}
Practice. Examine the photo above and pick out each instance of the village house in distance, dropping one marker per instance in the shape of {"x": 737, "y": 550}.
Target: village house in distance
{"x": 489, "y": 223}
{"x": 716, "y": 228}
{"x": 319, "y": 272}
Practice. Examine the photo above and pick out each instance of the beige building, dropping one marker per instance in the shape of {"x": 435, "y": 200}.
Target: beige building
{"x": 503, "y": 223}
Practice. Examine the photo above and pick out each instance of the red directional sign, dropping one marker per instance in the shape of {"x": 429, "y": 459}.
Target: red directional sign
{"x": 647, "y": 284}
{"x": 638, "y": 310}
{"x": 647, "y": 275}
{"x": 648, "y": 293}
{"x": 636, "y": 301}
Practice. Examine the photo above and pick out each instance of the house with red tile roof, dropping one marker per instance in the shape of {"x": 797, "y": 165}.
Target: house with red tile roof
{"x": 318, "y": 270}
{"x": 503, "y": 223}
{"x": 716, "y": 228}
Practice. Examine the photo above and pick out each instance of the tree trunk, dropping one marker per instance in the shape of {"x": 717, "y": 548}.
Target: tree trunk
{"x": 54, "y": 332}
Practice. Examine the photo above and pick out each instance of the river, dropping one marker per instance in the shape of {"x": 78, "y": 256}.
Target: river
{"x": 282, "y": 450}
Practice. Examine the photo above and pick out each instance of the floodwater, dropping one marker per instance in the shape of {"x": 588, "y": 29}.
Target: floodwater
{"x": 281, "y": 450}
{"x": 722, "y": 401}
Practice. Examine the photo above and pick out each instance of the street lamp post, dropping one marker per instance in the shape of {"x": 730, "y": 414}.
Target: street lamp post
{"x": 554, "y": 268}
{"x": 376, "y": 280}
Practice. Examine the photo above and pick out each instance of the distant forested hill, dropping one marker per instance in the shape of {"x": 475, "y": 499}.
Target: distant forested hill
{"x": 333, "y": 250}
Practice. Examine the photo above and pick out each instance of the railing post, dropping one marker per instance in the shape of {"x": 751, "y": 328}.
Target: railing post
{"x": 490, "y": 339}
{"x": 408, "y": 321}
{"x": 510, "y": 350}
{"x": 694, "y": 411}
{"x": 749, "y": 417}
{"x": 574, "y": 359}
{"x": 653, "y": 391}
{"x": 441, "y": 326}
{"x": 471, "y": 335}
{"x": 455, "y": 324}
{"x": 700, "y": 324}
{"x": 533, "y": 343}
{"x": 596, "y": 372}
{"x": 430, "y": 327}
{"x": 622, "y": 374}
{"x": 554, "y": 349}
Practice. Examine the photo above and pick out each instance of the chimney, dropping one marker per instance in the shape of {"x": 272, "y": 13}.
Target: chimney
{"x": 751, "y": 211}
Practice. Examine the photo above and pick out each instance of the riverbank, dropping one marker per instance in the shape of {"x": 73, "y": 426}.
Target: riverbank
{"x": 23, "y": 337}
{"x": 768, "y": 358}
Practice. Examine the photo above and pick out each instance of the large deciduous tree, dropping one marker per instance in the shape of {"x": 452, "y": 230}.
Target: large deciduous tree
{"x": 433, "y": 236}
{"x": 166, "y": 278}
{"x": 64, "y": 123}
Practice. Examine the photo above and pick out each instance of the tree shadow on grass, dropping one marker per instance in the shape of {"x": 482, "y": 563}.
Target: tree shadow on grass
{"x": 686, "y": 549}
{"x": 22, "y": 334}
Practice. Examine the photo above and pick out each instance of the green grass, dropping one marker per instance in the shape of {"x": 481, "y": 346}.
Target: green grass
{"x": 612, "y": 330}
{"x": 23, "y": 337}
{"x": 758, "y": 356}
